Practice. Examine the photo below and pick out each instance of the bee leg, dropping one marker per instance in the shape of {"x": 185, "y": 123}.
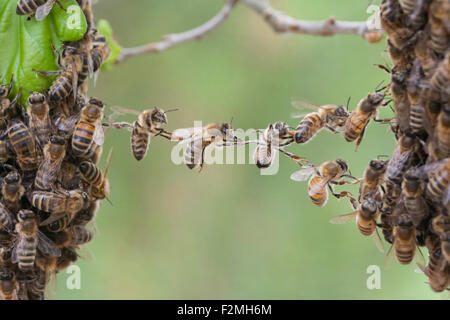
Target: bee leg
{"x": 46, "y": 73}
{"x": 360, "y": 138}
{"x": 11, "y": 83}
{"x": 388, "y": 120}
{"x": 60, "y": 5}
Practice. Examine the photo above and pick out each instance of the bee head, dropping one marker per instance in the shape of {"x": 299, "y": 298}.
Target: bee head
{"x": 281, "y": 127}
{"x": 26, "y": 215}
{"x": 342, "y": 164}
{"x": 96, "y": 102}
{"x": 157, "y": 116}
{"x": 58, "y": 140}
{"x": 376, "y": 98}
{"x": 369, "y": 207}
{"x": 12, "y": 177}
{"x": 377, "y": 165}
{"x": 341, "y": 112}
{"x": 70, "y": 48}
{"x": 408, "y": 140}
{"x": 404, "y": 220}
{"x": 84, "y": 167}
{"x": 54, "y": 226}
{"x": 85, "y": 198}
{"x": 35, "y": 98}
{"x": 6, "y": 276}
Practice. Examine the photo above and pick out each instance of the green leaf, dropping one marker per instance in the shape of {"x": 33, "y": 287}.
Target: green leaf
{"x": 26, "y": 43}
{"x": 105, "y": 29}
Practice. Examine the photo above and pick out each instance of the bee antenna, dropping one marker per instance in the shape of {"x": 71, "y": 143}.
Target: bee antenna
{"x": 11, "y": 83}
{"x": 382, "y": 156}
{"x": 30, "y": 92}
{"x": 231, "y": 122}
{"x": 171, "y": 110}
{"x": 348, "y": 102}
{"x": 107, "y": 199}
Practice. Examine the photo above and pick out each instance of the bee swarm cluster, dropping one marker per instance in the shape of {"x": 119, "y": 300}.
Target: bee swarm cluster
{"x": 51, "y": 187}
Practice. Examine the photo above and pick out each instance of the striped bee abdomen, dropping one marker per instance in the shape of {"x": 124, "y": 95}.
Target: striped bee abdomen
{"x": 27, "y": 7}
{"x": 139, "y": 141}
{"x": 308, "y": 127}
{"x": 354, "y": 126}
{"x": 61, "y": 87}
{"x": 91, "y": 173}
{"x": 82, "y": 138}
{"x": 320, "y": 194}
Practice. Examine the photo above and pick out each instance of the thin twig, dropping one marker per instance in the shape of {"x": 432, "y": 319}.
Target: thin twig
{"x": 175, "y": 39}
{"x": 283, "y": 23}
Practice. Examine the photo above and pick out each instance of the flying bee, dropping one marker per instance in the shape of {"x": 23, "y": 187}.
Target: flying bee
{"x": 276, "y": 136}
{"x": 40, "y": 7}
{"x": 436, "y": 271}
{"x": 200, "y": 138}
{"x": 149, "y": 124}
{"x": 30, "y": 239}
{"x": 23, "y": 144}
{"x": 373, "y": 178}
{"x": 99, "y": 184}
{"x": 331, "y": 117}
{"x": 328, "y": 173}
{"x": 442, "y": 132}
{"x": 8, "y": 285}
{"x": 12, "y": 191}
{"x": 59, "y": 204}
{"x": 412, "y": 190}
{"x": 54, "y": 153}
{"x": 366, "y": 215}
{"x": 38, "y": 111}
{"x": 89, "y": 129}
{"x": 438, "y": 179}
{"x": 406, "y": 146}
{"x": 357, "y": 121}
{"x": 404, "y": 246}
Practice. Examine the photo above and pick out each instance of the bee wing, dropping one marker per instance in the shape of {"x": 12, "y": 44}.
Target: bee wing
{"x": 44, "y": 10}
{"x": 108, "y": 161}
{"x": 122, "y": 110}
{"x": 74, "y": 80}
{"x": 300, "y": 105}
{"x": 53, "y": 217}
{"x": 422, "y": 268}
{"x": 344, "y": 218}
{"x": 302, "y": 174}
{"x": 14, "y": 257}
{"x": 418, "y": 257}
{"x": 433, "y": 166}
{"x": 47, "y": 246}
{"x": 183, "y": 134}
{"x": 376, "y": 237}
{"x": 389, "y": 258}
{"x": 99, "y": 134}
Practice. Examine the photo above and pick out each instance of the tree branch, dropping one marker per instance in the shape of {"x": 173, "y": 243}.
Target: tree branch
{"x": 283, "y": 23}
{"x": 175, "y": 39}
{"x": 279, "y": 22}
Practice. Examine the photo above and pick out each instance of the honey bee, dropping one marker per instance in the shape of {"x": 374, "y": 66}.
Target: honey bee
{"x": 60, "y": 203}
{"x": 366, "y": 215}
{"x": 81, "y": 235}
{"x": 331, "y": 117}
{"x": 198, "y": 139}
{"x": 436, "y": 271}
{"x": 6, "y": 104}
{"x": 426, "y": 56}
{"x": 401, "y": 157}
{"x": 30, "y": 239}
{"x": 442, "y": 130}
{"x": 4, "y": 151}
{"x": 359, "y": 118}
{"x": 89, "y": 129}
{"x": 438, "y": 17}
{"x": 400, "y": 98}
{"x": 373, "y": 178}
{"x": 70, "y": 62}
{"x": 328, "y": 173}
{"x": 404, "y": 246}
{"x": 69, "y": 176}
{"x": 148, "y": 124}
{"x": 417, "y": 109}
{"x": 68, "y": 256}
{"x": 23, "y": 144}
{"x": 85, "y": 216}
{"x": 100, "y": 51}
{"x": 275, "y": 137}
{"x": 12, "y": 191}
{"x": 38, "y": 111}
{"x": 8, "y": 285}
{"x": 99, "y": 184}
{"x": 6, "y": 219}
{"x": 413, "y": 188}
{"x": 48, "y": 171}
{"x": 40, "y": 7}
{"x": 440, "y": 79}
{"x": 36, "y": 287}
{"x": 392, "y": 20}
{"x": 439, "y": 176}
{"x": 415, "y": 12}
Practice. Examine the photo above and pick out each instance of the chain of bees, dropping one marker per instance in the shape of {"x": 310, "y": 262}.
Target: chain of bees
{"x": 51, "y": 186}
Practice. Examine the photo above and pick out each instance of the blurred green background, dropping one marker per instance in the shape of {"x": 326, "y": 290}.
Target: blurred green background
{"x": 228, "y": 232}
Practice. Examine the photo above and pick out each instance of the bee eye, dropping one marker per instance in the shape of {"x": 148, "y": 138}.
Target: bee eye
{"x": 54, "y": 226}
{"x": 2, "y": 91}
{"x": 23, "y": 216}
{"x": 84, "y": 166}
